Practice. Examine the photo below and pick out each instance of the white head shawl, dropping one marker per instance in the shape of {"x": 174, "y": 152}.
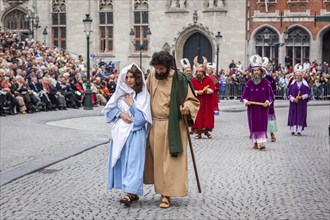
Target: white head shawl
{"x": 299, "y": 69}
{"x": 121, "y": 130}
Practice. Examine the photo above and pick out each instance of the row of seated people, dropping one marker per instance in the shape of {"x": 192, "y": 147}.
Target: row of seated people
{"x": 31, "y": 94}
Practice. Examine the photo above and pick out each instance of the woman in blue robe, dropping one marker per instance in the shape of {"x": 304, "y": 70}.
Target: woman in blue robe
{"x": 129, "y": 111}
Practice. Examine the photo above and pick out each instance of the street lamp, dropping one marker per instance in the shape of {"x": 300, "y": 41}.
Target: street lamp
{"x": 44, "y": 33}
{"x": 88, "y": 105}
{"x": 218, "y": 38}
{"x": 33, "y": 19}
{"x": 138, "y": 45}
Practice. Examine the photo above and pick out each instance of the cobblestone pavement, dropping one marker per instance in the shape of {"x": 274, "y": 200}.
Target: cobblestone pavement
{"x": 34, "y": 134}
{"x": 290, "y": 180}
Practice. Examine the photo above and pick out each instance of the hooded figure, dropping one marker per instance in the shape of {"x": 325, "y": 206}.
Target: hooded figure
{"x": 129, "y": 111}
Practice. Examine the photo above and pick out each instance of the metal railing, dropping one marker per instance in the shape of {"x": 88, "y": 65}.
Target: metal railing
{"x": 234, "y": 91}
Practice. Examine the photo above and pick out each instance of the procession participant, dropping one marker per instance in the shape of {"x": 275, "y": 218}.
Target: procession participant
{"x": 298, "y": 94}
{"x": 129, "y": 110}
{"x": 257, "y": 96}
{"x": 166, "y": 157}
{"x": 187, "y": 70}
{"x": 204, "y": 88}
{"x": 272, "y": 124}
{"x": 210, "y": 70}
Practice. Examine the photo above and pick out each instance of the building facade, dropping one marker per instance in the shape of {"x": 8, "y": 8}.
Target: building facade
{"x": 289, "y": 31}
{"x": 131, "y": 30}
{"x": 187, "y": 28}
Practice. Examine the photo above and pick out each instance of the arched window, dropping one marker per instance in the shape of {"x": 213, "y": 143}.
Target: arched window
{"x": 15, "y": 20}
{"x": 59, "y": 23}
{"x": 297, "y": 46}
{"x": 106, "y": 25}
{"x": 267, "y": 43}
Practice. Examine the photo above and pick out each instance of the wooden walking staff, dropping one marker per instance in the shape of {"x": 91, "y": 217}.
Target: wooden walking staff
{"x": 184, "y": 118}
{"x": 256, "y": 103}
{"x": 297, "y": 97}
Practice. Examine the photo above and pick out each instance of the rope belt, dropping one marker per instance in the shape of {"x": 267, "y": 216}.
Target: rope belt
{"x": 160, "y": 119}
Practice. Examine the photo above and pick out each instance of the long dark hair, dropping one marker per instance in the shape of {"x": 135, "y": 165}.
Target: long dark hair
{"x": 137, "y": 74}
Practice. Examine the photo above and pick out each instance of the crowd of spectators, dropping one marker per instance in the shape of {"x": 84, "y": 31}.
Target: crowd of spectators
{"x": 35, "y": 77}
{"x": 317, "y": 76}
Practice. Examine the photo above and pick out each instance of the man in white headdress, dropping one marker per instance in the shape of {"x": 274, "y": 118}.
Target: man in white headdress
{"x": 204, "y": 88}
{"x": 187, "y": 70}
{"x": 298, "y": 94}
{"x": 210, "y": 70}
{"x": 257, "y": 96}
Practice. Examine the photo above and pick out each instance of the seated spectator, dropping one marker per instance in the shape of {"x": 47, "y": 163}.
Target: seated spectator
{"x": 66, "y": 90}
{"x": 55, "y": 96}
{"x": 95, "y": 87}
{"x": 9, "y": 103}
{"x": 81, "y": 88}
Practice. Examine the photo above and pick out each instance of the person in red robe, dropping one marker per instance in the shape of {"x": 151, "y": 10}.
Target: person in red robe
{"x": 210, "y": 70}
{"x": 204, "y": 88}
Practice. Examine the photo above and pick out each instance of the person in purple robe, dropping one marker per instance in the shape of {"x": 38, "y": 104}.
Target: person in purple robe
{"x": 298, "y": 94}
{"x": 272, "y": 124}
{"x": 257, "y": 96}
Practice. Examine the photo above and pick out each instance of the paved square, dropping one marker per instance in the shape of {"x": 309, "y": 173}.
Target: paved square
{"x": 290, "y": 180}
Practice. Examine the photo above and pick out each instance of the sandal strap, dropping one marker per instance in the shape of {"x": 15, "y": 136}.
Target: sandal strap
{"x": 130, "y": 197}
{"x": 165, "y": 202}
{"x": 208, "y": 135}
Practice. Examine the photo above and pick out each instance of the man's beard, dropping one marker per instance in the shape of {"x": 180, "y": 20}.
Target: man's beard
{"x": 164, "y": 76}
{"x": 256, "y": 79}
{"x": 199, "y": 78}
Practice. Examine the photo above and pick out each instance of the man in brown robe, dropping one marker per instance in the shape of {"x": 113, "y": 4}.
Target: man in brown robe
{"x": 166, "y": 155}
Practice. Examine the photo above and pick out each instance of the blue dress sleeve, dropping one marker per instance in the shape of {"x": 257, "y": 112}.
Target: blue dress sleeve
{"x": 113, "y": 115}
{"x": 139, "y": 120}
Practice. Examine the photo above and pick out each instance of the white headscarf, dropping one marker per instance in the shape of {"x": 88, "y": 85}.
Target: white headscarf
{"x": 299, "y": 69}
{"x": 121, "y": 130}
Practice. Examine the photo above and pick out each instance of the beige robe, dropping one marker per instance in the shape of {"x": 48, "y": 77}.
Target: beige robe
{"x": 168, "y": 174}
